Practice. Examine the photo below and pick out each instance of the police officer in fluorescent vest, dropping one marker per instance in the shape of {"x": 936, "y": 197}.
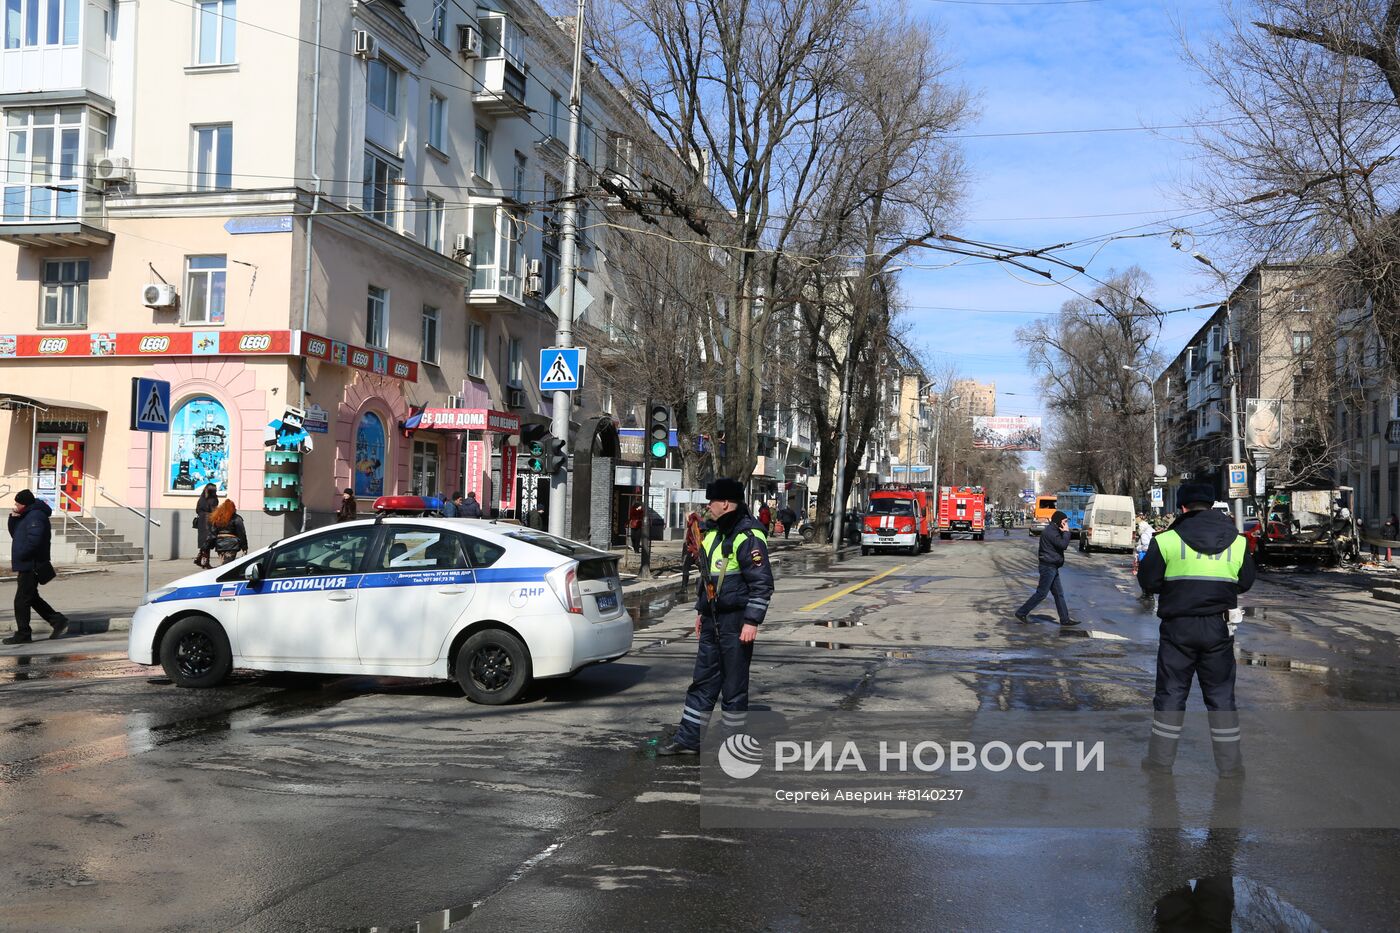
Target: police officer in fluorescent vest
{"x": 736, "y": 583}
{"x": 1198, "y": 568}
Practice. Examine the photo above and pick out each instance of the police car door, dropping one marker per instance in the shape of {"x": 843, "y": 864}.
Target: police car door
{"x": 417, "y": 586}
{"x": 304, "y": 607}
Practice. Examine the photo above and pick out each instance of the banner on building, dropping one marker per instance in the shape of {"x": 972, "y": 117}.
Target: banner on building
{"x": 508, "y": 455}
{"x": 1263, "y": 423}
{"x": 1006, "y": 432}
{"x": 477, "y": 460}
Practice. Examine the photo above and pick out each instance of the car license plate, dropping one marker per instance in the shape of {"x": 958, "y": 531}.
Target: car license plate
{"x": 607, "y": 602}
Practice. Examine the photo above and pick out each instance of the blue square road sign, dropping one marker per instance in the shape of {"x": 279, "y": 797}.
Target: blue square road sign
{"x": 561, "y": 369}
{"x": 150, "y": 405}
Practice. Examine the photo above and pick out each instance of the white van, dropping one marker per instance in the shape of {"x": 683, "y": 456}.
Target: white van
{"x": 1109, "y": 523}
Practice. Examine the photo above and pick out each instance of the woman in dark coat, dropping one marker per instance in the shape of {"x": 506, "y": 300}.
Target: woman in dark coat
{"x": 227, "y": 536}
{"x": 346, "y": 513}
{"x": 208, "y": 502}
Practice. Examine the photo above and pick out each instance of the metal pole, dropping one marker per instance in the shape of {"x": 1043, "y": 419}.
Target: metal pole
{"x": 1235, "y": 448}
{"x": 644, "y": 571}
{"x": 838, "y": 509}
{"x": 146, "y": 525}
{"x": 564, "y": 332}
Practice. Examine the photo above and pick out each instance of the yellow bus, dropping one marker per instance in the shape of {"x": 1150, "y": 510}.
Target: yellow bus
{"x": 1044, "y": 508}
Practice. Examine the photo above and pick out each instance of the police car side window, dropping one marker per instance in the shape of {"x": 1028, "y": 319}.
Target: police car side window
{"x": 410, "y": 549}
{"x": 480, "y": 553}
{"x": 339, "y": 551}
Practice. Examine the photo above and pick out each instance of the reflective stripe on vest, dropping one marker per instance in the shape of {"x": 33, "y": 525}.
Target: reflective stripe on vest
{"x": 718, "y": 564}
{"x": 1185, "y": 563}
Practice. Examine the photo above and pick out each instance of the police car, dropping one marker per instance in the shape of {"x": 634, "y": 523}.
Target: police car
{"x": 490, "y": 604}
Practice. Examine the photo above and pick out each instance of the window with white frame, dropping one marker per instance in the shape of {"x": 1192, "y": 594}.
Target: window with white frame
{"x": 476, "y": 350}
{"x": 482, "y": 162}
{"x": 35, "y": 23}
{"x": 549, "y": 240}
{"x": 44, "y": 159}
{"x": 429, "y": 350}
{"x": 437, "y": 121}
{"x": 63, "y": 295}
{"x": 215, "y": 32}
{"x": 515, "y": 369}
{"x": 1302, "y": 342}
{"x": 384, "y": 86}
{"x": 206, "y": 286}
{"x": 497, "y": 258}
{"x": 556, "y": 112}
{"x": 377, "y": 318}
{"x": 213, "y": 157}
{"x": 619, "y": 155}
{"x": 382, "y": 178}
{"x": 519, "y": 183}
{"x": 434, "y": 221}
{"x": 439, "y": 23}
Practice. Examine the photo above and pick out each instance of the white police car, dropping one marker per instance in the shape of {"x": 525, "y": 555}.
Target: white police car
{"x": 493, "y": 605}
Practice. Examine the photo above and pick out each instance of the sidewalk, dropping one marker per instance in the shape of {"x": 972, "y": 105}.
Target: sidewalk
{"x": 92, "y": 596}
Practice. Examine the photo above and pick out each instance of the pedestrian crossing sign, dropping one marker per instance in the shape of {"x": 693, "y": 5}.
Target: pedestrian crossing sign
{"x": 561, "y": 369}
{"x": 150, "y": 405}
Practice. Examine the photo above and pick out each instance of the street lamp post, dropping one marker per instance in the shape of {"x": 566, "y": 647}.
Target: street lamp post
{"x": 1156, "y": 452}
{"x": 938, "y": 437}
{"x": 1236, "y": 448}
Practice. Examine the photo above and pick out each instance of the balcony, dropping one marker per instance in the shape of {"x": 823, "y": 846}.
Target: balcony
{"x": 46, "y": 198}
{"x": 498, "y": 262}
{"x": 500, "y": 72}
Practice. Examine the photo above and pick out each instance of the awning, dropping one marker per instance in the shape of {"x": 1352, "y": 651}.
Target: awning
{"x": 11, "y": 402}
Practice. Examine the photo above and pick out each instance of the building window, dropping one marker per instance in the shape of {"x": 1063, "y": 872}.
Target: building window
{"x": 380, "y": 194}
{"x": 550, "y": 238}
{"x": 518, "y": 186}
{"x": 384, "y": 86}
{"x": 1375, "y": 417}
{"x": 206, "y": 284}
{"x": 64, "y": 293}
{"x": 1302, "y": 342}
{"x": 199, "y": 446}
{"x": 215, "y": 32}
{"x": 437, "y": 121}
{"x": 369, "y": 456}
{"x": 429, "y": 351}
{"x": 213, "y": 157}
{"x": 425, "y": 483}
{"x": 556, "y": 110}
{"x": 515, "y": 371}
{"x": 59, "y": 19}
{"x": 476, "y": 350}
{"x": 377, "y": 318}
{"x": 482, "y": 163}
{"x": 43, "y": 165}
{"x": 1375, "y": 492}
{"x": 434, "y": 219}
{"x": 439, "y": 28}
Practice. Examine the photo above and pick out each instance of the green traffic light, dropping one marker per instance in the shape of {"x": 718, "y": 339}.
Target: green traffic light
{"x": 658, "y": 449}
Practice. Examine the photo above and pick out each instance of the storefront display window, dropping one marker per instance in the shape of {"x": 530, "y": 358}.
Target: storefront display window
{"x": 369, "y": 456}
{"x": 199, "y": 446}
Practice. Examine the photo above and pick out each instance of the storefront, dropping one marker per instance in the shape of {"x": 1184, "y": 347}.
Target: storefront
{"x": 472, "y": 446}
{"x": 56, "y": 466}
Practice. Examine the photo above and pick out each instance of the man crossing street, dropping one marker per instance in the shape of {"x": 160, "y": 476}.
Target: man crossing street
{"x": 736, "y": 583}
{"x": 1197, "y": 568}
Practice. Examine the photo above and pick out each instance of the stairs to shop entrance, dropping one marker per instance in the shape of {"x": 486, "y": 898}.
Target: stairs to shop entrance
{"x": 105, "y": 547}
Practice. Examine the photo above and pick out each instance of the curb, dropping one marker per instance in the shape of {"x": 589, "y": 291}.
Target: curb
{"x": 10, "y": 577}
{"x": 75, "y": 626}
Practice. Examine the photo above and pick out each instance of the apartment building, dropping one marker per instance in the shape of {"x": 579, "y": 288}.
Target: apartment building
{"x": 976, "y": 398}
{"x": 1273, "y": 324}
{"x": 348, "y": 209}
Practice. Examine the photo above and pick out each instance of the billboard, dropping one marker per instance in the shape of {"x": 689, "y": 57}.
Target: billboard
{"x": 1263, "y": 423}
{"x": 1012, "y": 432}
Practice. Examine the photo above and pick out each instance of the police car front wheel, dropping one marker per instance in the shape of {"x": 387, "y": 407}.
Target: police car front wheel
{"x": 493, "y": 667}
{"x": 195, "y": 652}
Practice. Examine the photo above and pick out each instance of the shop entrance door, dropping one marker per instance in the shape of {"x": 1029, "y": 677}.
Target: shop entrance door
{"x": 426, "y": 466}
{"x": 60, "y": 473}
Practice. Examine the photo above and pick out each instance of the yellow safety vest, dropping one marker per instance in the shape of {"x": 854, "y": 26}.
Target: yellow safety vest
{"x": 720, "y": 563}
{"x": 1185, "y": 563}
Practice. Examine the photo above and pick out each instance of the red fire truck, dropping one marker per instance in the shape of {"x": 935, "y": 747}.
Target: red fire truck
{"x": 962, "y": 511}
{"x": 899, "y": 519}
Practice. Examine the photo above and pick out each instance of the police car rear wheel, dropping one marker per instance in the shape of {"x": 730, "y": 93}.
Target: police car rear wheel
{"x": 493, "y": 667}
{"x": 195, "y": 652}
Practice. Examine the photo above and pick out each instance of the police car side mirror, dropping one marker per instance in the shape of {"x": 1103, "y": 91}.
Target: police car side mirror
{"x": 253, "y": 573}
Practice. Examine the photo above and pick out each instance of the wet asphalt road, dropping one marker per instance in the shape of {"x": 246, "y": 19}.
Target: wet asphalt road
{"x": 297, "y": 802}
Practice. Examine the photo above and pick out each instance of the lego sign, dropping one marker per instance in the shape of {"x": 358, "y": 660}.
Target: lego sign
{"x": 172, "y": 343}
{"x": 344, "y": 354}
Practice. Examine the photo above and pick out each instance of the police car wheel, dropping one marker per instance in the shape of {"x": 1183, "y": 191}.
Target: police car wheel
{"x": 195, "y": 652}
{"x": 493, "y": 667}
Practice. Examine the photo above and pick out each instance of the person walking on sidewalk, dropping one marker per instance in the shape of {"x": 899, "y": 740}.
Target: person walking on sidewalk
{"x": 227, "y": 535}
{"x": 1197, "y": 568}
{"x": 736, "y": 584}
{"x": 789, "y": 518}
{"x": 636, "y": 518}
{"x": 208, "y": 502}
{"x": 1053, "y": 542}
{"x": 30, "y": 540}
{"x": 469, "y": 507}
{"x": 346, "y": 512}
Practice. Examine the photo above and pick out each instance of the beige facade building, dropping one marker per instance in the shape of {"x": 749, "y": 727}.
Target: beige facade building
{"x": 344, "y": 208}
{"x": 976, "y": 398}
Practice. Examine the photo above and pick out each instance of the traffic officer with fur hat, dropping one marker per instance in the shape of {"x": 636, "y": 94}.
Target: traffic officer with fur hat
{"x": 1197, "y": 567}
{"x": 736, "y": 583}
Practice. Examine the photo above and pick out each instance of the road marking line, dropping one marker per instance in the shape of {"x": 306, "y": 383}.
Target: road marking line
{"x": 849, "y": 590}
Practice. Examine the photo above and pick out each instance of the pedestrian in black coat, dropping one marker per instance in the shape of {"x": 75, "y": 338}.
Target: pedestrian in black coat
{"x": 208, "y": 502}
{"x": 30, "y": 539}
{"x": 1053, "y": 542}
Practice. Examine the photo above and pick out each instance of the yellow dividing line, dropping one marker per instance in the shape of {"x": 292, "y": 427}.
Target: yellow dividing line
{"x": 849, "y": 590}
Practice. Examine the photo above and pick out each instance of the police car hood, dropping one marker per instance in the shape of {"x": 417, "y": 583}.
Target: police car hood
{"x": 1206, "y": 531}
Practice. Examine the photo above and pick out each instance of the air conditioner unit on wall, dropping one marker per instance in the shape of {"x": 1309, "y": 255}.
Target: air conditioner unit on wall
{"x": 159, "y": 295}
{"x": 468, "y": 42}
{"x": 365, "y": 45}
{"x": 111, "y": 170}
{"x": 462, "y": 246}
{"x": 515, "y": 398}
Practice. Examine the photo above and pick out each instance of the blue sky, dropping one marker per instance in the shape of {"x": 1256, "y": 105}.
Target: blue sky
{"x": 1069, "y": 66}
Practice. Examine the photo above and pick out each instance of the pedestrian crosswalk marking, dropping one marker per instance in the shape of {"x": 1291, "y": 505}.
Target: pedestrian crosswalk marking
{"x": 153, "y": 412}
{"x": 559, "y": 371}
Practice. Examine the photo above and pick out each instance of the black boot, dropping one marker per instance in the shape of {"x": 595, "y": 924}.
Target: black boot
{"x": 18, "y": 638}
{"x": 1162, "y": 744}
{"x": 60, "y": 625}
{"x": 671, "y": 747}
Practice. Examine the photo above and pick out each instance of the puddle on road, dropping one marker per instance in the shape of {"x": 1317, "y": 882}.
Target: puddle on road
{"x": 1228, "y": 902}
{"x": 840, "y": 623}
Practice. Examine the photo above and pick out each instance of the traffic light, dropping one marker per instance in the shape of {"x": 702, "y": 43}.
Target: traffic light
{"x": 659, "y": 430}
{"x": 532, "y": 439}
{"x": 555, "y": 459}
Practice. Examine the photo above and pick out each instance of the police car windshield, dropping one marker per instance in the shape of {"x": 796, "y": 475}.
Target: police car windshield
{"x": 891, "y": 507}
{"x": 561, "y": 546}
